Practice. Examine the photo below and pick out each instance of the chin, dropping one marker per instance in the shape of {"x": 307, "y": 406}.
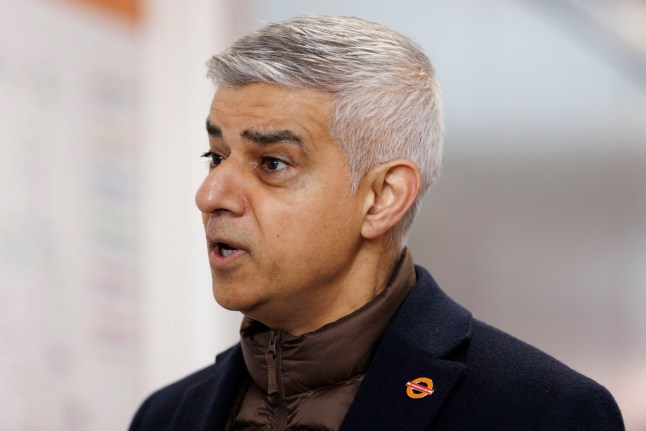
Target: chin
{"x": 225, "y": 301}
{"x": 231, "y": 300}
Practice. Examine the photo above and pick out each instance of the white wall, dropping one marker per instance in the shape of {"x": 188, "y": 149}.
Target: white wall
{"x": 67, "y": 260}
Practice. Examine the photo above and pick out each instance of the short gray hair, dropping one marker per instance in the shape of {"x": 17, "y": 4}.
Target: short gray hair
{"x": 387, "y": 101}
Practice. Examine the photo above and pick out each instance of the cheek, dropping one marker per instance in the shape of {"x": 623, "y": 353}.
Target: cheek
{"x": 313, "y": 215}
{"x": 326, "y": 221}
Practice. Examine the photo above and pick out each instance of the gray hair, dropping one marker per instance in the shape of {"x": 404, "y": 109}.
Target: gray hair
{"x": 387, "y": 102}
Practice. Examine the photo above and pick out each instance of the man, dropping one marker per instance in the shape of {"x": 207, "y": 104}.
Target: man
{"x": 324, "y": 134}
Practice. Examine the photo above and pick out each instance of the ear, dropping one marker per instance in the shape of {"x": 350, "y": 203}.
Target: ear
{"x": 393, "y": 188}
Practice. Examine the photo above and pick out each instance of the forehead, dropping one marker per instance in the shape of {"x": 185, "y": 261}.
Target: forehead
{"x": 264, "y": 106}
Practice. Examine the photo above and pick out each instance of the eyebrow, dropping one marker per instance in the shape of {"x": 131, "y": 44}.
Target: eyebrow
{"x": 272, "y": 137}
{"x": 258, "y": 137}
{"x": 213, "y": 131}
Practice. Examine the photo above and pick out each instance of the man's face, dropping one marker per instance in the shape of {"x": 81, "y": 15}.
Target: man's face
{"x": 282, "y": 227}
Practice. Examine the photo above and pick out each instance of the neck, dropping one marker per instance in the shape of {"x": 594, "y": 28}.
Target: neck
{"x": 365, "y": 277}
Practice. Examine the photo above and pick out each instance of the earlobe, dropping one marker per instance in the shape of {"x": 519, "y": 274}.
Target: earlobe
{"x": 394, "y": 186}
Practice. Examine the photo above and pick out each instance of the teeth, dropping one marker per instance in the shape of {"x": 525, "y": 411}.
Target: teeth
{"x": 225, "y": 249}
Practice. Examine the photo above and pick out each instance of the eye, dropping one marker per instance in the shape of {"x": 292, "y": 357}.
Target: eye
{"x": 273, "y": 164}
{"x": 216, "y": 159}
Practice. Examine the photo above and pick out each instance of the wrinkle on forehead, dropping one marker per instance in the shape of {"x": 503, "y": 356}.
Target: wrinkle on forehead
{"x": 268, "y": 108}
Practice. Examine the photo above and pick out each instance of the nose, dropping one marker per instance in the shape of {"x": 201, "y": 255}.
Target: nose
{"x": 221, "y": 190}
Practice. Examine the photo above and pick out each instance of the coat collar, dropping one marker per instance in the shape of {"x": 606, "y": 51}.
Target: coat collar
{"x": 429, "y": 320}
{"x": 426, "y": 329}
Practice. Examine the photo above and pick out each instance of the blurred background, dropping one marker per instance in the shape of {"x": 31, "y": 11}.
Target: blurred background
{"x": 538, "y": 224}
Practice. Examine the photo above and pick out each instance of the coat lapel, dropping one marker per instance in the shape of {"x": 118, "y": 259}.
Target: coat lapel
{"x": 207, "y": 404}
{"x": 426, "y": 329}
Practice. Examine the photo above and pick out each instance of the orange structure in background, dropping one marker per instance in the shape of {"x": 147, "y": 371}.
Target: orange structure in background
{"x": 128, "y": 10}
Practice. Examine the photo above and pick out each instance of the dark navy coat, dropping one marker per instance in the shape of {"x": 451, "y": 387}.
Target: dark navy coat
{"x": 483, "y": 379}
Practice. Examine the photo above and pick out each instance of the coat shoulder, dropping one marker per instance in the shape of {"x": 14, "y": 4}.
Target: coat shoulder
{"x": 157, "y": 411}
{"x": 519, "y": 386}
{"x": 503, "y": 357}
{"x": 505, "y": 384}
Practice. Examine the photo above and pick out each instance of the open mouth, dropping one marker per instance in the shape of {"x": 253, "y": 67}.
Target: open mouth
{"x": 225, "y": 249}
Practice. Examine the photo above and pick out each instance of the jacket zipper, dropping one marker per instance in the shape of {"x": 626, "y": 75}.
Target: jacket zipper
{"x": 272, "y": 365}
{"x": 274, "y": 383}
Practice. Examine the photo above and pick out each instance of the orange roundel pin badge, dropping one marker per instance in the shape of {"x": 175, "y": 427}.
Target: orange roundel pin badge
{"x": 419, "y": 388}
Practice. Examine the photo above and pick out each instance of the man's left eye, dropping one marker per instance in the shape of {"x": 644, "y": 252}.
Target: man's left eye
{"x": 272, "y": 164}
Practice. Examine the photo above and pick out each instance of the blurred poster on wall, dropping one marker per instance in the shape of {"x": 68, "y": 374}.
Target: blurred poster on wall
{"x": 128, "y": 10}
{"x": 67, "y": 327}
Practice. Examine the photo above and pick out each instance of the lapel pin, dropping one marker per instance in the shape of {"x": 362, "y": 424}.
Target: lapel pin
{"x": 419, "y": 388}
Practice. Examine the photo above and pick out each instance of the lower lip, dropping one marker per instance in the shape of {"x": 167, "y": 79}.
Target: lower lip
{"x": 219, "y": 262}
